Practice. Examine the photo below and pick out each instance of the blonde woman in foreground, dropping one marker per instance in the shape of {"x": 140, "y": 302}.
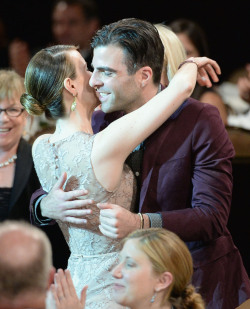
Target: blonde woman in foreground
{"x": 154, "y": 271}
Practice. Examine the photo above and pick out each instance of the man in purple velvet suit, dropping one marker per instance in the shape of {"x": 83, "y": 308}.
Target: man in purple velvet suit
{"x": 185, "y": 179}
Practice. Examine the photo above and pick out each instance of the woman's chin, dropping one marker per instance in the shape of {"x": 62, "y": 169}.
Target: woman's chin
{"x": 119, "y": 294}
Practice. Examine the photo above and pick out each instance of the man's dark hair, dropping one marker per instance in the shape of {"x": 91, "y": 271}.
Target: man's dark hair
{"x": 140, "y": 42}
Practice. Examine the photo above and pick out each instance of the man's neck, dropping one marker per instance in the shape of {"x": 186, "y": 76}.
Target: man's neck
{"x": 147, "y": 95}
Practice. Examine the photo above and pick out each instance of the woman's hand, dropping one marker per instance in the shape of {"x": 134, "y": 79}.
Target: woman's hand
{"x": 64, "y": 292}
{"x": 208, "y": 70}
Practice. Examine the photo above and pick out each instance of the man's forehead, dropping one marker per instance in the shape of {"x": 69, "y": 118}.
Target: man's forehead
{"x": 110, "y": 50}
{"x": 108, "y": 56}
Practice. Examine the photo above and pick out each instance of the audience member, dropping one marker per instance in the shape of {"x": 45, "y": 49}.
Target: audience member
{"x": 235, "y": 92}
{"x": 243, "y": 84}
{"x": 18, "y": 178}
{"x": 13, "y": 54}
{"x": 195, "y": 43}
{"x": 19, "y": 55}
{"x": 185, "y": 177}
{"x": 154, "y": 271}
{"x": 174, "y": 53}
{"x": 26, "y": 270}
{"x": 74, "y": 22}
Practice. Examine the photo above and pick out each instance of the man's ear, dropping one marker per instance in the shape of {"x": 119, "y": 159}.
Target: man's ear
{"x": 51, "y": 276}
{"x": 164, "y": 281}
{"x": 146, "y": 75}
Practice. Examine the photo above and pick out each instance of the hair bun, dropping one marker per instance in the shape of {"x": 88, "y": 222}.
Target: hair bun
{"x": 32, "y": 105}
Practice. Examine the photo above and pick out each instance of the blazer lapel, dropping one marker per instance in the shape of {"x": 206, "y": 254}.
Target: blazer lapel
{"x": 153, "y": 151}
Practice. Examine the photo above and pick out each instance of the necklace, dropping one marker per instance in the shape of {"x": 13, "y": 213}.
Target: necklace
{"x": 9, "y": 161}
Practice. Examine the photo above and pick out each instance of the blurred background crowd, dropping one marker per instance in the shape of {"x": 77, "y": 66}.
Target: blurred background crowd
{"x": 226, "y": 26}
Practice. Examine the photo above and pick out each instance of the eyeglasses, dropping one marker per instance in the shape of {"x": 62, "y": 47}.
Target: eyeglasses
{"x": 12, "y": 111}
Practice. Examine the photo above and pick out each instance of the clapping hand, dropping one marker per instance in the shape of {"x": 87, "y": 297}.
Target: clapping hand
{"x": 64, "y": 292}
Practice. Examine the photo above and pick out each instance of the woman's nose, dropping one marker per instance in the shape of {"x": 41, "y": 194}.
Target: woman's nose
{"x": 3, "y": 115}
{"x": 116, "y": 271}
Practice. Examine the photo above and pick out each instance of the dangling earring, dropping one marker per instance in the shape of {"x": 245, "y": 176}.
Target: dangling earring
{"x": 153, "y": 298}
{"x": 73, "y": 106}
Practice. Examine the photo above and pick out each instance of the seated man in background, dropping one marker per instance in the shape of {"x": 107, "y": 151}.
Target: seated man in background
{"x": 74, "y": 22}
{"x": 26, "y": 270}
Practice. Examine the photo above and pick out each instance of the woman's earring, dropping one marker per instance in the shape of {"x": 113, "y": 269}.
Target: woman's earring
{"x": 73, "y": 106}
{"x": 153, "y": 298}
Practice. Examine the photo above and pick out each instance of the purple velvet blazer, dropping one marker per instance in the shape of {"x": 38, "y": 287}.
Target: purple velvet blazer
{"x": 187, "y": 177}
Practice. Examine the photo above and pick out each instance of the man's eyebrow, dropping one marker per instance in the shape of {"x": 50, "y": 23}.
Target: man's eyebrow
{"x": 105, "y": 69}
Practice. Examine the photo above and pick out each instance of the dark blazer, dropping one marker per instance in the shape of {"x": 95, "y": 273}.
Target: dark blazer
{"x": 25, "y": 183}
{"x": 187, "y": 178}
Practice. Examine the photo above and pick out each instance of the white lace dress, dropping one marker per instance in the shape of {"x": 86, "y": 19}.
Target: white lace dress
{"x": 93, "y": 255}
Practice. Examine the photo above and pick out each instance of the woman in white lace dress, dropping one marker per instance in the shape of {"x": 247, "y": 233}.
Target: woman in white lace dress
{"x": 57, "y": 83}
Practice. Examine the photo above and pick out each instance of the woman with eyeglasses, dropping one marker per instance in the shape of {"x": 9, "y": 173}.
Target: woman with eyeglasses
{"x": 18, "y": 179}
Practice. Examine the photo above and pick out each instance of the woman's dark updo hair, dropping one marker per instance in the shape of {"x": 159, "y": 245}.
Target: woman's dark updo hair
{"x": 44, "y": 81}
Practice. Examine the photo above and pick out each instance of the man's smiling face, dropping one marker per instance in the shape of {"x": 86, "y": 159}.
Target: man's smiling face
{"x": 116, "y": 88}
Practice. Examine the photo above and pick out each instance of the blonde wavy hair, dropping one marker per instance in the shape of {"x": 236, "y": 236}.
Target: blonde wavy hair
{"x": 11, "y": 84}
{"x": 174, "y": 52}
